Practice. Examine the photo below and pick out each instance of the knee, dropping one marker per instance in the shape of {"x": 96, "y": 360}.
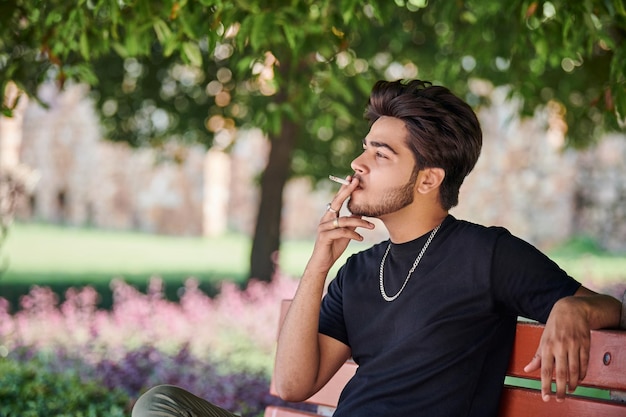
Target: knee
{"x": 144, "y": 406}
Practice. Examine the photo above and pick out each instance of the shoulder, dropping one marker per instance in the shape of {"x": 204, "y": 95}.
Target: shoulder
{"x": 462, "y": 229}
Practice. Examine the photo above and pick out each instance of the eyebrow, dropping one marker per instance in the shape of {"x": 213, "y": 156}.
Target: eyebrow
{"x": 377, "y": 144}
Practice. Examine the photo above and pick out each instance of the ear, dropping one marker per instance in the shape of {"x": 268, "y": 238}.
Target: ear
{"x": 430, "y": 179}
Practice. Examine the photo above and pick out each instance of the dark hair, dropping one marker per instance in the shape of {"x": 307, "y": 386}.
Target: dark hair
{"x": 443, "y": 130}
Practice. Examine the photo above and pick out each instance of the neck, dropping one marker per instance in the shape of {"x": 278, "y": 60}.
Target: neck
{"x": 406, "y": 225}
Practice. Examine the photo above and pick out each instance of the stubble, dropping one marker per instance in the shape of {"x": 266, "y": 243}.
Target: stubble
{"x": 392, "y": 200}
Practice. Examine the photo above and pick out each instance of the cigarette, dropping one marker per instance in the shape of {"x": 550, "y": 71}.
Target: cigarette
{"x": 339, "y": 180}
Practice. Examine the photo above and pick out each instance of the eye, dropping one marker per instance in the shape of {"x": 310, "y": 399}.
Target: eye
{"x": 381, "y": 155}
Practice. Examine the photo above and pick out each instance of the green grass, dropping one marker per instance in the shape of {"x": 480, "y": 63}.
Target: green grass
{"x": 83, "y": 255}
{"x": 60, "y": 257}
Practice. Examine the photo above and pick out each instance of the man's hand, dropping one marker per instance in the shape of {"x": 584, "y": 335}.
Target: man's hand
{"x": 335, "y": 232}
{"x": 564, "y": 348}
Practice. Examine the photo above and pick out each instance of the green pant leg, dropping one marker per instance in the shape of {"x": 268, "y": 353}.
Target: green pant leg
{"x": 172, "y": 401}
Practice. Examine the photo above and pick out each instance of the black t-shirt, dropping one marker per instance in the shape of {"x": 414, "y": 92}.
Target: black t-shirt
{"x": 443, "y": 346}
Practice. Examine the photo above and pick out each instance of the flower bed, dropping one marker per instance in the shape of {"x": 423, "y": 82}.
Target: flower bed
{"x": 219, "y": 348}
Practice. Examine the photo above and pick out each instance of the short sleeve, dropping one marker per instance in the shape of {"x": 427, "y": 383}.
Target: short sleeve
{"x": 526, "y": 282}
{"x": 331, "y": 321}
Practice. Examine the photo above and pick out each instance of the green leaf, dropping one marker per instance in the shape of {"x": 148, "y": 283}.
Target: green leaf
{"x": 187, "y": 28}
{"x": 244, "y": 32}
{"x": 193, "y": 53}
{"x": 341, "y": 111}
{"x": 86, "y": 74}
{"x": 169, "y": 48}
{"x": 120, "y": 49}
{"x": 290, "y": 36}
{"x": 162, "y": 30}
{"x": 347, "y": 7}
{"x": 84, "y": 46}
{"x": 620, "y": 8}
{"x": 132, "y": 45}
{"x": 261, "y": 26}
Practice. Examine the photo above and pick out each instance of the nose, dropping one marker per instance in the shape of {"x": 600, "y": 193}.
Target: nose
{"x": 358, "y": 164}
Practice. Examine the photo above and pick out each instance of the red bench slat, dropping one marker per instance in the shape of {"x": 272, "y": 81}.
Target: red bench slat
{"x": 523, "y": 402}
{"x": 603, "y": 342}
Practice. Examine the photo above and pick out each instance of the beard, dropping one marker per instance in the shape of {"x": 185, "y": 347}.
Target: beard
{"x": 392, "y": 200}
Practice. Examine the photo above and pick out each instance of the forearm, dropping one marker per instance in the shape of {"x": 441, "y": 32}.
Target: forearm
{"x": 602, "y": 311}
{"x": 298, "y": 351}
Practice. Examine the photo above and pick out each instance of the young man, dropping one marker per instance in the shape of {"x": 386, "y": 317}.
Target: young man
{"x": 429, "y": 315}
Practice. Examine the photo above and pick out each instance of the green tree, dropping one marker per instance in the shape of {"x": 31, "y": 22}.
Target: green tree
{"x": 301, "y": 70}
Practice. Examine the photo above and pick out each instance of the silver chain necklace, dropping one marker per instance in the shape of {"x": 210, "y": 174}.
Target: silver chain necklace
{"x": 408, "y": 276}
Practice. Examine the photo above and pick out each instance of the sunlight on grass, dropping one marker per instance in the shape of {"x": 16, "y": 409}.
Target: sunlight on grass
{"x": 83, "y": 254}
{"x": 37, "y": 249}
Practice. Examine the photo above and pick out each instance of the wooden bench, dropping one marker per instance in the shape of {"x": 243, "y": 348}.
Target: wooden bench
{"x": 606, "y": 377}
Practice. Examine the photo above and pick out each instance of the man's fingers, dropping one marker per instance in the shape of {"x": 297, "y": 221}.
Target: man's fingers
{"x": 584, "y": 362}
{"x": 564, "y": 348}
{"x": 347, "y": 222}
{"x": 342, "y": 195}
{"x": 578, "y": 365}
{"x": 567, "y": 369}
{"x": 343, "y": 228}
{"x": 546, "y": 377}
{"x": 534, "y": 364}
{"x": 562, "y": 371}
{"x": 574, "y": 371}
{"x": 546, "y": 366}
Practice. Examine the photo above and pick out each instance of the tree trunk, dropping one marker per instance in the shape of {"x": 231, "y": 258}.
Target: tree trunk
{"x": 266, "y": 241}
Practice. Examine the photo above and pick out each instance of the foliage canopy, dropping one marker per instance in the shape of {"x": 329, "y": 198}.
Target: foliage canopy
{"x": 165, "y": 68}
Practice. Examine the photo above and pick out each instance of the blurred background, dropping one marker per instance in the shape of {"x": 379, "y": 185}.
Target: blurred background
{"x": 163, "y": 166}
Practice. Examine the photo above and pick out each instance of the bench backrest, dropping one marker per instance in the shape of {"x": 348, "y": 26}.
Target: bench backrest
{"x": 603, "y": 392}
